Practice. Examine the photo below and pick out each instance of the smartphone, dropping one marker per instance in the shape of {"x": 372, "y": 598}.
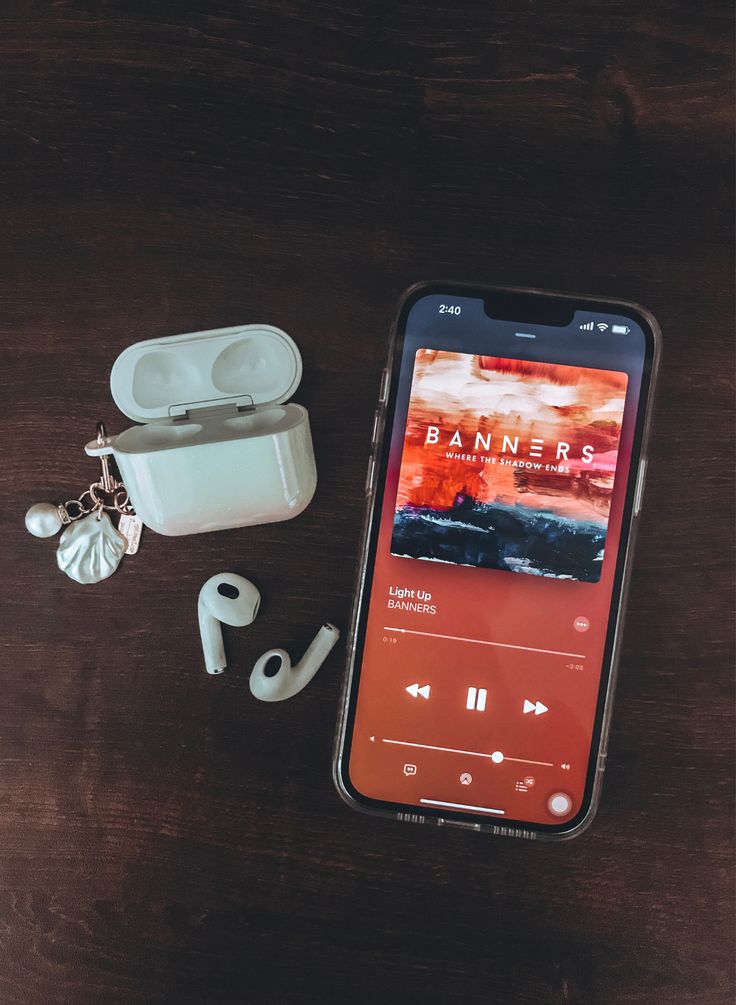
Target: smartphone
{"x": 504, "y": 485}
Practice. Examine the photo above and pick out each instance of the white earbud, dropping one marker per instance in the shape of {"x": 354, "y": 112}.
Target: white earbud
{"x": 226, "y": 598}
{"x": 279, "y": 680}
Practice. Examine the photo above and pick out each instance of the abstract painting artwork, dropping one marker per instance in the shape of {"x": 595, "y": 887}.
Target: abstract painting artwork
{"x": 509, "y": 464}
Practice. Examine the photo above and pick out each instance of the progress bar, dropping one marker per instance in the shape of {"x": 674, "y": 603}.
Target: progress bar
{"x": 497, "y": 757}
{"x": 462, "y": 806}
{"x": 484, "y": 642}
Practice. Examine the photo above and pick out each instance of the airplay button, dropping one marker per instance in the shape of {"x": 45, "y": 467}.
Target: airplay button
{"x": 559, "y": 804}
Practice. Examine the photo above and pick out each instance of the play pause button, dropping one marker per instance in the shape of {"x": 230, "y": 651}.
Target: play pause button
{"x": 476, "y": 699}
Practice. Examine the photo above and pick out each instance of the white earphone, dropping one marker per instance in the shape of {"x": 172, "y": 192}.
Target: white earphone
{"x": 234, "y": 600}
{"x": 230, "y": 599}
{"x": 273, "y": 677}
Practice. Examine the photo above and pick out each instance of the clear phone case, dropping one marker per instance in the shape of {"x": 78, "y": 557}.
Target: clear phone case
{"x": 628, "y": 537}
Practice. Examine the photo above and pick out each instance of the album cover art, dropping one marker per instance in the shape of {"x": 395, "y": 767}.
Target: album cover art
{"x": 508, "y": 464}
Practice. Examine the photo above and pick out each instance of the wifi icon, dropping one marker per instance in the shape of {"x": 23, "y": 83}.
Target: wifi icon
{"x": 602, "y": 326}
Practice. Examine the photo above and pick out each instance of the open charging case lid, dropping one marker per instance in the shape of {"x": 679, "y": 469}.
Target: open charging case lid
{"x": 246, "y": 365}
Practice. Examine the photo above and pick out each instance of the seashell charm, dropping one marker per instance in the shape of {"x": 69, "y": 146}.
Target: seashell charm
{"x": 90, "y": 549}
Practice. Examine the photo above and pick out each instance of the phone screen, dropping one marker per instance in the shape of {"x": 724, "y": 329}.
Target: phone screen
{"x": 495, "y": 559}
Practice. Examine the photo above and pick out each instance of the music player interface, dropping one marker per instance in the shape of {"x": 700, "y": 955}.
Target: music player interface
{"x": 495, "y": 557}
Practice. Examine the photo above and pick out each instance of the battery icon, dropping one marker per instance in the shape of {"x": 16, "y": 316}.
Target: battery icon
{"x": 620, "y": 330}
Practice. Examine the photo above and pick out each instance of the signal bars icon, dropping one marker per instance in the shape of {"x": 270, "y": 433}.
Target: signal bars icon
{"x": 588, "y": 326}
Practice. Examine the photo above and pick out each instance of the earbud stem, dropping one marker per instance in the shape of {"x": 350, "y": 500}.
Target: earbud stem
{"x": 212, "y": 643}
{"x": 317, "y": 652}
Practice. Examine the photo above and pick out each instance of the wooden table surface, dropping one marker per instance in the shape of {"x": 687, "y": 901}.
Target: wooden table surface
{"x": 169, "y": 167}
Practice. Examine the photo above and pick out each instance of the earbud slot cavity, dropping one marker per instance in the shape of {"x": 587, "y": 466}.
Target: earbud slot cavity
{"x": 161, "y": 377}
{"x": 157, "y": 436}
{"x": 256, "y": 364}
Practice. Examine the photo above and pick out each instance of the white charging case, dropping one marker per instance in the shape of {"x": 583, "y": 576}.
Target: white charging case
{"x": 219, "y": 447}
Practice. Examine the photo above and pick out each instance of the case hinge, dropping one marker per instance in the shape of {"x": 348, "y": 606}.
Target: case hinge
{"x": 220, "y": 407}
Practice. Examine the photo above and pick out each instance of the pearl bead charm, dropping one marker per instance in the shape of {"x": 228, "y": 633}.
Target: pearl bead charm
{"x": 43, "y": 520}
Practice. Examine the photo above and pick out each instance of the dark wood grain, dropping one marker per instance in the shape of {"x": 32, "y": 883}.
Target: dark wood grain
{"x": 168, "y": 167}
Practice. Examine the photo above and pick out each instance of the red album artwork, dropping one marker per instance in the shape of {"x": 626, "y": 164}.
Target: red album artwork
{"x": 508, "y": 464}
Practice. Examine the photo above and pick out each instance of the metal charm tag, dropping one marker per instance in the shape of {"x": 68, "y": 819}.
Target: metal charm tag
{"x": 130, "y": 526}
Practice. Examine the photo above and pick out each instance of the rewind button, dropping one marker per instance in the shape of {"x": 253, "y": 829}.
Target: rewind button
{"x": 415, "y": 690}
